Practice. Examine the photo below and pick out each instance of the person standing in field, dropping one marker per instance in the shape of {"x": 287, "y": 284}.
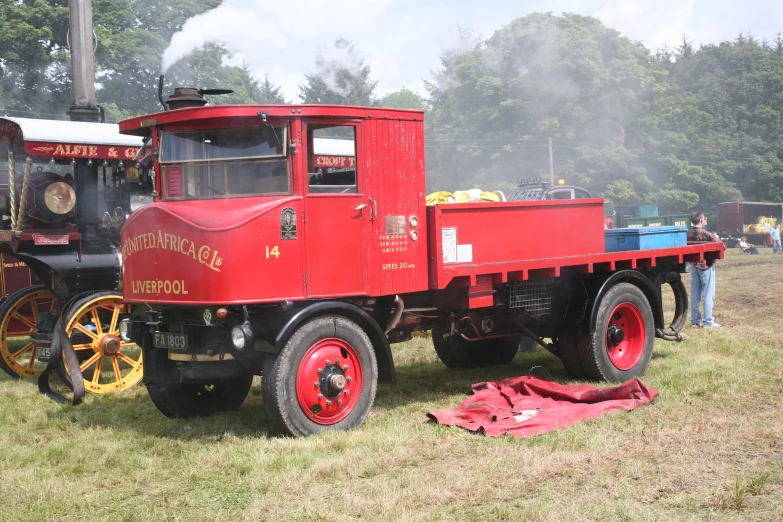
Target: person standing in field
{"x": 702, "y": 276}
{"x": 776, "y": 247}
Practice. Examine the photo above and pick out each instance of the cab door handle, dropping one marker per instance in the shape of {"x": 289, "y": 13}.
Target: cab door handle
{"x": 362, "y": 206}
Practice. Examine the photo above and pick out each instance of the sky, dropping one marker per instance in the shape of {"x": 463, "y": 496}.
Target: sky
{"x": 402, "y": 39}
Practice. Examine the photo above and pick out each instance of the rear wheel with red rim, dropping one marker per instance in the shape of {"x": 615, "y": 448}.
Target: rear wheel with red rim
{"x": 621, "y": 344}
{"x": 625, "y": 336}
{"x": 325, "y": 377}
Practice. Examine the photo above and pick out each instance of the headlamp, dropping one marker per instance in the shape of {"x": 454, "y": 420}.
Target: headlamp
{"x": 241, "y": 336}
{"x": 59, "y": 198}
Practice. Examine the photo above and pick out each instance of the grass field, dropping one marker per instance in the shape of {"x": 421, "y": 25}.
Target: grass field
{"x": 711, "y": 448}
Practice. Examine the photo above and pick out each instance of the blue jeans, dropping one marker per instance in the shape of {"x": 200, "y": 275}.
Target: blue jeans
{"x": 702, "y": 289}
{"x": 776, "y": 247}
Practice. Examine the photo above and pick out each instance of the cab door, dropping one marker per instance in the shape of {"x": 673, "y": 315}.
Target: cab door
{"x": 336, "y": 211}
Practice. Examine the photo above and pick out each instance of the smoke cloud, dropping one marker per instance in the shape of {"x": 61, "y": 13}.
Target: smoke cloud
{"x": 225, "y": 25}
{"x": 280, "y": 38}
{"x": 332, "y": 60}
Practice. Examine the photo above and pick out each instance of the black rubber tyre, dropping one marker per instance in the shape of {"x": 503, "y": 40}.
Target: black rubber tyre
{"x": 592, "y": 350}
{"x": 443, "y": 349}
{"x": 7, "y": 362}
{"x": 570, "y": 345}
{"x": 178, "y": 400}
{"x": 500, "y": 351}
{"x": 660, "y": 277}
{"x": 456, "y": 352}
{"x": 281, "y": 386}
{"x": 528, "y": 345}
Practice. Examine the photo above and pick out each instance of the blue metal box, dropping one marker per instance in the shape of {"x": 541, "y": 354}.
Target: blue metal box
{"x": 645, "y": 238}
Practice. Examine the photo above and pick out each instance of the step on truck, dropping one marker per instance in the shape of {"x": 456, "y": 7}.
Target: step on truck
{"x": 256, "y": 260}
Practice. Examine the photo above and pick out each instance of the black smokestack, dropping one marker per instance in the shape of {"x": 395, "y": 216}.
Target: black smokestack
{"x": 84, "y": 107}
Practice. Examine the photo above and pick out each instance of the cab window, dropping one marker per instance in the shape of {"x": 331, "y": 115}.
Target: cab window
{"x": 219, "y": 163}
{"x": 331, "y": 162}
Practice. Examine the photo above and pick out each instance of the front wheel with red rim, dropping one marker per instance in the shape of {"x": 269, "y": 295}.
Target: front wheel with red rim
{"x": 325, "y": 377}
{"x": 621, "y": 344}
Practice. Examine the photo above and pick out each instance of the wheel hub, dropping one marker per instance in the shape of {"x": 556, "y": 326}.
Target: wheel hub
{"x": 329, "y": 381}
{"x": 332, "y": 381}
{"x": 336, "y": 383}
{"x": 615, "y": 335}
{"x": 110, "y": 345}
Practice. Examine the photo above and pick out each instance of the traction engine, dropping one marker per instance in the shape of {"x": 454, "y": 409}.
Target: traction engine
{"x": 69, "y": 186}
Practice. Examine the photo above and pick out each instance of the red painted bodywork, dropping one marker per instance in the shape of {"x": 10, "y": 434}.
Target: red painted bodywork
{"x": 14, "y": 275}
{"x": 358, "y": 244}
{"x": 504, "y": 234}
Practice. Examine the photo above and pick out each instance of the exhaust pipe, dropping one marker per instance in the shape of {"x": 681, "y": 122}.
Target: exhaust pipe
{"x": 160, "y": 93}
{"x": 84, "y": 107}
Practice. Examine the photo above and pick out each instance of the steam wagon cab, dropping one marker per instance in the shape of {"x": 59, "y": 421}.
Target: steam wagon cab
{"x": 67, "y": 188}
{"x": 263, "y": 256}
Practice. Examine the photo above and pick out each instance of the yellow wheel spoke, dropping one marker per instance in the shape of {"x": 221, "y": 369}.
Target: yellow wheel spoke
{"x": 25, "y": 320}
{"x": 84, "y": 330}
{"x": 97, "y": 373}
{"x": 82, "y": 347}
{"x": 115, "y": 314}
{"x": 86, "y": 364}
{"x": 24, "y": 349}
{"x": 96, "y": 320}
{"x": 128, "y": 360}
{"x": 116, "y": 369}
{"x": 32, "y": 358}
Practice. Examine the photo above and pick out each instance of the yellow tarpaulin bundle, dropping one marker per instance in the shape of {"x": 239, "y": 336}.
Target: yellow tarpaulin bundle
{"x": 763, "y": 220}
{"x": 759, "y": 229}
{"x": 464, "y": 196}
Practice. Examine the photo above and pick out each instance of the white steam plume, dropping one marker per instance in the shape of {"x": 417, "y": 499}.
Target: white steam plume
{"x": 279, "y": 38}
{"x": 331, "y": 60}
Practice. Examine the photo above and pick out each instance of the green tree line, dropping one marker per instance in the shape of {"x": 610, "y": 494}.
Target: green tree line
{"x": 685, "y": 128}
{"x": 682, "y": 127}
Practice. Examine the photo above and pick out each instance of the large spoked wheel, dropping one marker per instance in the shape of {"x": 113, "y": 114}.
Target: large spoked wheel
{"x": 107, "y": 361}
{"x": 179, "y": 400}
{"x": 621, "y": 346}
{"x": 456, "y": 352}
{"x": 325, "y": 377}
{"x": 18, "y": 319}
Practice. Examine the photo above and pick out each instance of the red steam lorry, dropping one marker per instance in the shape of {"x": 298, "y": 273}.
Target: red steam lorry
{"x": 256, "y": 260}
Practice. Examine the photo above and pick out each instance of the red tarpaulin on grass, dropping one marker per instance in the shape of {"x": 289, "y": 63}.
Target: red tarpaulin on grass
{"x": 527, "y": 406}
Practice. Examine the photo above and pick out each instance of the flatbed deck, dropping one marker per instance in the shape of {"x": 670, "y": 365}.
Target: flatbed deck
{"x": 523, "y": 270}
